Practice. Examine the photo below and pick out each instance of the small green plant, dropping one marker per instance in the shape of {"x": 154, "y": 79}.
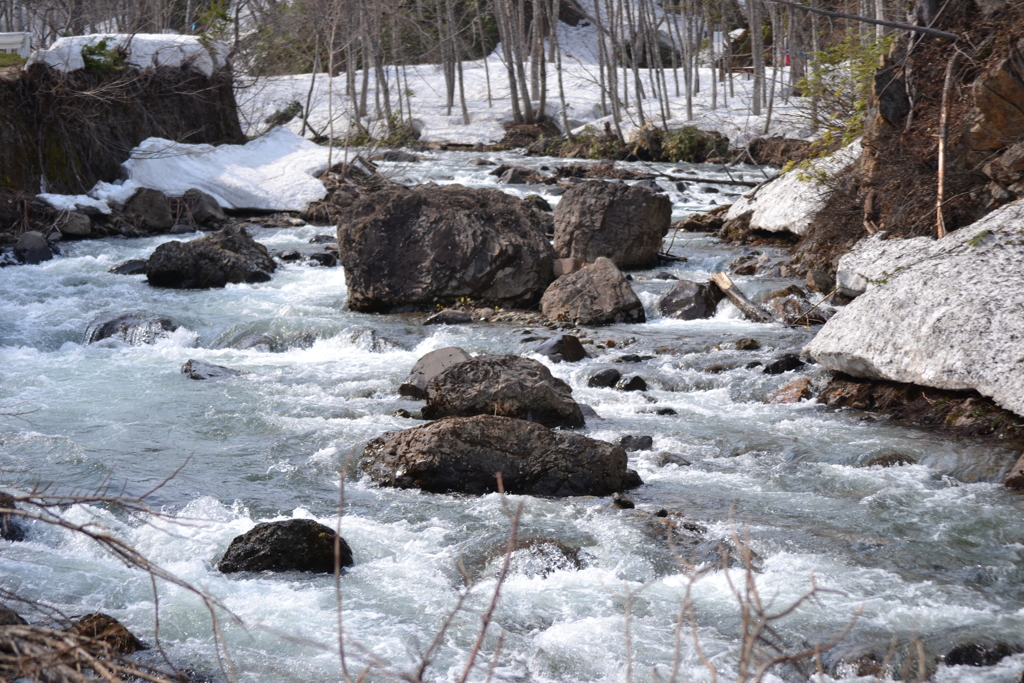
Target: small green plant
{"x": 104, "y": 59}
{"x": 212, "y": 22}
{"x": 839, "y": 83}
{"x": 978, "y": 239}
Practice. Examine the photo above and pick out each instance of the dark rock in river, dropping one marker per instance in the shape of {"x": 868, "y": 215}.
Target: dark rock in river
{"x": 783, "y": 364}
{"x": 430, "y": 245}
{"x": 149, "y": 210}
{"x": 32, "y": 248}
{"x": 595, "y": 295}
{"x": 1015, "y": 478}
{"x": 135, "y": 266}
{"x": 540, "y": 557}
{"x": 634, "y": 383}
{"x": 976, "y": 654}
{"x": 428, "y": 367}
{"x": 690, "y": 300}
{"x": 463, "y": 454}
{"x": 563, "y": 347}
{"x": 889, "y": 460}
{"x": 604, "y": 378}
{"x": 10, "y": 527}
{"x": 196, "y": 369}
{"x": 108, "y": 630}
{"x": 291, "y": 545}
{"x": 131, "y": 329}
{"x": 631, "y": 480}
{"x": 622, "y": 223}
{"x": 508, "y": 386}
{"x": 631, "y": 442}
{"x": 228, "y": 255}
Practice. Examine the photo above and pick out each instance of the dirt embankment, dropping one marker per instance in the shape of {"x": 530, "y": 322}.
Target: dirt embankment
{"x": 66, "y": 131}
{"x": 895, "y": 186}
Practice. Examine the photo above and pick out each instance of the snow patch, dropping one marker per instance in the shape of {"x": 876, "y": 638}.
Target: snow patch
{"x": 275, "y": 172}
{"x": 144, "y": 51}
{"x": 790, "y": 202}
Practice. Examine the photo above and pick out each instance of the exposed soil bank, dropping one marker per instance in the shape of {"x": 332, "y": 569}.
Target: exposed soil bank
{"x": 66, "y": 131}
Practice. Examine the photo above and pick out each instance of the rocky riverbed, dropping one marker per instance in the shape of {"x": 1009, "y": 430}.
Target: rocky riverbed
{"x": 910, "y": 526}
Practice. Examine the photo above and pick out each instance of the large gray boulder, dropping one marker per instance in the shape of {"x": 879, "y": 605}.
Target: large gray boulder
{"x": 598, "y": 294}
{"x": 228, "y": 255}
{"x": 940, "y": 313}
{"x": 463, "y": 454}
{"x": 623, "y": 223}
{"x": 509, "y": 386}
{"x": 405, "y": 248}
{"x": 689, "y": 300}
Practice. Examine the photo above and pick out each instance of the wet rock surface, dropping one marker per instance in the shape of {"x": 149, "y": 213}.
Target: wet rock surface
{"x": 130, "y": 328}
{"x": 455, "y": 242}
{"x": 508, "y": 386}
{"x": 623, "y": 223}
{"x": 596, "y": 295}
{"x": 291, "y": 545}
{"x": 463, "y": 454}
{"x": 229, "y": 255}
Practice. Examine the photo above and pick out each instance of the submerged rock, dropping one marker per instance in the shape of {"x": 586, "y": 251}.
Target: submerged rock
{"x": 197, "y": 369}
{"x": 430, "y": 245}
{"x": 596, "y": 295}
{"x": 449, "y": 316}
{"x": 463, "y": 454}
{"x": 938, "y": 313}
{"x": 290, "y": 545}
{"x": 130, "y": 328}
{"x": 228, "y": 255}
{"x": 135, "y": 266}
{"x": 623, "y": 223}
{"x": 690, "y": 300}
{"x": 508, "y": 386}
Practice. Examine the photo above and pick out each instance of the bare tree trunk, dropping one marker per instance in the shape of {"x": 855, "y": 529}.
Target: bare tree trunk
{"x": 757, "y": 55}
{"x": 947, "y": 95}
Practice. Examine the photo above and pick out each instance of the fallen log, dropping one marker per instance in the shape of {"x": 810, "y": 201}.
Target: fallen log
{"x": 713, "y": 181}
{"x": 739, "y": 299}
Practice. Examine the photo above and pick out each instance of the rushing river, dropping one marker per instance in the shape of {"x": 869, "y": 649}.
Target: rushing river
{"x": 928, "y": 554}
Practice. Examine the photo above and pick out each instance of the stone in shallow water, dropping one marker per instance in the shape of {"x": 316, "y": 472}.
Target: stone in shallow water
{"x": 428, "y": 367}
{"x": 564, "y": 347}
{"x": 462, "y": 454}
{"x": 135, "y": 266}
{"x": 291, "y": 545}
{"x": 130, "y": 328}
{"x": 196, "y": 369}
{"x": 604, "y": 378}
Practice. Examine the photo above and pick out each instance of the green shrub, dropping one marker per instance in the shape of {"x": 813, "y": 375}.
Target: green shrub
{"x": 694, "y": 146}
{"x": 102, "y": 59}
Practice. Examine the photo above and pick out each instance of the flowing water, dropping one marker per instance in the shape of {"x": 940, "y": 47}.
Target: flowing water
{"x": 929, "y": 553}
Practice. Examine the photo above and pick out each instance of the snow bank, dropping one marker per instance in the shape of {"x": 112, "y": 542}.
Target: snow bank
{"x": 790, "y": 202}
{"x": 101, "y": 197}
{"x": 274, "y": 172}
{"x": 422, "y": 87}
{"x": 144, "y": 50}
{"x": 940, "y": 313}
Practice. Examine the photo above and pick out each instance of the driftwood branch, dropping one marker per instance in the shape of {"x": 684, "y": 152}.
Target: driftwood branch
{"x": 746, "y": 306}
{"x": 866, "y": 20}
{"x": 715, "y": 181}
{"x": 947, "y": 95}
